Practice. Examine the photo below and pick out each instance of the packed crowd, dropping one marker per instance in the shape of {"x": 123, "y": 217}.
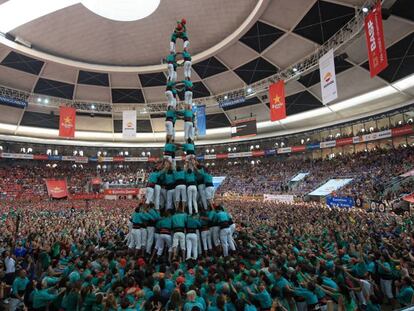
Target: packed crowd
{"x": 288, "y": 257}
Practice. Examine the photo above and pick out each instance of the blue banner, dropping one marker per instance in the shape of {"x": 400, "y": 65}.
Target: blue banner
{"x": 201, "y": 120}
{"x": 313, "y": 146}
{"x": 270, "y": 152}
{"x": 54, "y": 158}
{"x": 340, "y": 202}
{"x": 8, "y": 101}
{"x": 231, "y": 102}
{"x": 200, "y": 158}
{"x": 217, "y": 181}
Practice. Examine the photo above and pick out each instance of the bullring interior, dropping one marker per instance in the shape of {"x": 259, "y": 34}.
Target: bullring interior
{"x": 312, "y": 211}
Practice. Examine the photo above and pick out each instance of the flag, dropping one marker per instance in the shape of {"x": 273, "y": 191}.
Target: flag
{"x": 377, "y": 54}
{"x": 201, "y": 120}
{"x": 57, "y": 188}
{"x": 277, "y": 101}
{"x": 129, "y": 124}
{"x": 328, "y": 77}
{"x": 67, "y": 119}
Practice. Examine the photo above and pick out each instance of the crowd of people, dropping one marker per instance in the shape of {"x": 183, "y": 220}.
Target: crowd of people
{"x": 297, "y": 256}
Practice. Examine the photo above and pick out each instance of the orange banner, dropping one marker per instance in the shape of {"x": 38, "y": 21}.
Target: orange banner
{"x": 67, "y": 119}
{"x": 57, "y": 188}
{"x": 277, "y": 101}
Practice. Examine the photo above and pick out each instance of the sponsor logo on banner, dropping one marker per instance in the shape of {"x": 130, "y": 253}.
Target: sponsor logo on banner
{"x": 240, "y": 154}
{"x": 356, "y": 139}
{"x": 400, "y": 131}
{"x": 344, "y": 141}
{"x": 270, "y": 152}
{"x": 136, "y": 159}
{"x": 55, "y": 158}
{"x": 376, "y": 136}
{"x": 56, "y": 188}
{"x": 67, "y": 119}
{"x": 17, "y": 156}
{"x": 377, "y": 53}
{"x": 298, "y": 148}
{"x": 284, "y": 150}
{"x": 328, "y": 77}
{"x": 81, "y": 159}
{"x": 222, "y": 156}
{"x": 86, "y": 196}
{"x": 40, "y": 157}
{"x": 328, "y": 144}
{"x": 118, "y": 159}
{"x": 277, "y": 101}
{"x": 68, "y": 158}
{"x": 231, "y": 102}
{"x": 130, "y": 191}
{"x": 340, "y": 202}
{"x": 129, "y": 124}
{"x": 285, "y": 198}
{"x": 258, "y": 153}
{"x": 313, "y": 146}
{"x": 210, "y": 157}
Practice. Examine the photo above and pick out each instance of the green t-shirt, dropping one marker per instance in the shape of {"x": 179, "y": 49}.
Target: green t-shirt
{"x": 179, "y": 220}
{"x": 42, "y": 297}
{"x": 19, "y": 285}
{"x": 193, "y": 223}
{"x": 153, "y": 177}
{"x": 405, "y": 295}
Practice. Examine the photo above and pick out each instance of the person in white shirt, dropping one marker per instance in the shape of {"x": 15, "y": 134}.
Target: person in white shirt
{"x": 10, "y": 264}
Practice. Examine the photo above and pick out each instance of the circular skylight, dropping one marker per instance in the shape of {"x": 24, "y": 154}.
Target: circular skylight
{"x": 122, "y": 10}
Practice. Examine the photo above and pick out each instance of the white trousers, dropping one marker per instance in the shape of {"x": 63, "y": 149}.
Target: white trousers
{"x": 206, "y": 238}
{"x": 149, "y": 194}
{"x": 163, "y": 198}
{"x": 191, "y": 242}
{"x": 143, "y": 237}
{"x": 210, "y": 193}
{"x": 188, "y": 130}
{"x": 215, "y": 235}
{"x": 188, "y": 97}
{"x": 202, "y": 194}
{"x": 181, "y": 193}
{"x": 164, "y": 240}
{"x": 226, "y": 241}
{"x": 169, "y": 129}
{"x": 172, "y": 101}
{"x": 157, "y": 196}
{"x": 187, "y": 69}
{"x": 170, "y": 199}
{"x": 150, "y": 239}
{"x": 192, "y": 199}
{"x": 172, "y": 74}
{"x": 386, "y": 288}
{"x": 135, "y": 241}
{"x": 179, "y": 240}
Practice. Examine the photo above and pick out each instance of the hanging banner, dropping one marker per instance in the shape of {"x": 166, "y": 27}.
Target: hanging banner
{"x": 277, "y": 101}
{"x": 201, "y": 120}
{"x": 129, "y": 124}
{"x": 67, "y": 121}
{"x": 57, "y": 189}
{"x": 377, "y": 53}
{"x": 243, "y": 128}
{"x": 328, "y": 77}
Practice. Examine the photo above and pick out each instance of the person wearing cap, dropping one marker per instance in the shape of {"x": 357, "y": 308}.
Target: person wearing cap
{"x": 171, "y": 60}
{"x": 191, "y": 303}
{"x": 223, "y": 219}
{"x": 179, "y": 221}
{"x": 180, "y": 187}
{"x": 191, "y": 239}
{"x": 180, "y": 31}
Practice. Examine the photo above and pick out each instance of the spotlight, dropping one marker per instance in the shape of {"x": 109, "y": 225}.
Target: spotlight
{"x": 46, "y": 101}
{"x": 365, "y": 10}
{"x": 92, "y": 106}
{"x": 249, "y": 90}
{"x": 295, "y": 69}
{"x": 39, "y": 100}
{"x": 225, "y": 97}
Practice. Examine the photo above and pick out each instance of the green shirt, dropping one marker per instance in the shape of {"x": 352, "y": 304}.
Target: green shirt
{"x": 208, "y": 179}
{"x": 171, "y": 148}
{"x": 190, "y": 178}
{"x": 19, "y": 285}
{"x": 171, "y": 114}
{"x": 264, "y": 299}
{"x": 186, "y": 55}
{"x": 153, "y": 177}
{"x": 179, "y": 175}
{"x": 189, "y": 148}
{"x": 405, "y": 295}
{"x": 179, "y": 220}
{"x": 171, "y": 58}
{"x": 169, "y": 178}
{"x": 188, "y": 86}
{"x": 42, "y": 297}
{"x": 193, "y": 223}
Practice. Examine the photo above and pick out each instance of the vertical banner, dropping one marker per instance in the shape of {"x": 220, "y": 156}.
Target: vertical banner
{"x": 57, "y": 189}
{"x": 67, "y": 119}
{"x": 377, "y": 54}
{"x": 277, "y": 101}
{"x": 328, "y": 77}
{"x": 129, "y": 124}
{"x": 201, "y": 120}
